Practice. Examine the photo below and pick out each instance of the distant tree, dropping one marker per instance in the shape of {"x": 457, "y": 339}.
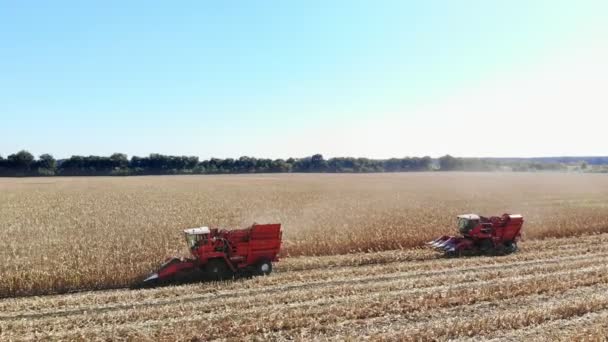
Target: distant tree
{"x": 46, "y": 165}
{"x": 4, "y": 166}
{"x": 191, "y": 162}
{"x": 119, "y": 160}
{"x": 425, "y": 163}
{"x": 138, "y": 165}
{"x": 228, "y": 165}
{"x": 47, "y": 161}
{"x": 341, "y": 164}
{"x": 213, "y": 165}
{"x": 317, "y": 163}
{"x": 584, "y": 165}
{"x": 263, "y": 165}
{"x": 280, "y": 165}
{"x": 394, "y": 165}
{"x": 449, "y": 163}
{"x": 302, "y": 165}
{"x": 21, "y": 162}
{"x": 245, "y": 164}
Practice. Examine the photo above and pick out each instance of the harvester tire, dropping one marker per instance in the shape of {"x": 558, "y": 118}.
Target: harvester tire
{"x": 452, "y": 254}
{"x": 216, "y": 269}
{"x": 486, "y": 247}
{"x": 510, "y": 247}
{"x": 263, "y": 267}
{"x": 144, "y": 284}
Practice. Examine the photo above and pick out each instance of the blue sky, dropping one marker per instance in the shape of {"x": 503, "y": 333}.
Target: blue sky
{"x": 294, "y": 78}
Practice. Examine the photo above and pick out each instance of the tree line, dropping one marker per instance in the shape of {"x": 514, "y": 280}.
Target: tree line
{"x": 23, "y": 163}
{"x": 449, "y": 163}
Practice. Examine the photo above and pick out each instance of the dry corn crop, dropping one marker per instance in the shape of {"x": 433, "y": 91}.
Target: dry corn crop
{"x": 354, "y": 269}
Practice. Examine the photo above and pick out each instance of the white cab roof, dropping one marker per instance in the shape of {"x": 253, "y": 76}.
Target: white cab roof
{"x": 469, "y": 216}
{"x": 199, "y": 230}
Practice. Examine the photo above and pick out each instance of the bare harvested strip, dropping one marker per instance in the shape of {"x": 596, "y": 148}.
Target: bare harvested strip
{"x": 485, "y": 323}
{"x": 322, "y": 320}
{"x": 405, "y": 316}
{"x": 371, "y": 305}
{"x": 442, "y": 263}
{"x": 553, "y": 245}
{"x": 212, "y": 306}
{"x": 594, "y": 251}
{"x": 426, "y": 277}
{"x": 423, "y": 255}
{"x": 84, "y": 299}
{"x": 181, "y": 290}
{"x": 390, "y": 324}
{"x": 379, "y": 304}
{"x": 592, "y": 326}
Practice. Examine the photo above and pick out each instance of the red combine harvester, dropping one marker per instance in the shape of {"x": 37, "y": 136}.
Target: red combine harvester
{"x": 497, "y": 235}
{"x": 222, "y": 254}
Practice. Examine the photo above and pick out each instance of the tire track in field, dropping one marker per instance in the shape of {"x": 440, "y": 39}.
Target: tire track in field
{"x": 398, "y": 293}
{"x": 350, "y": 264}
{"x": 588, "y": 326}
{"x": 419, "y": 256}
{"x": 389, "y": 324}
{"x": 340, "y": 287}
{"x": 369, "y": 306}
{"x": 484, "y": 324}
{"x": 318, "y": 297}
{"x": 412, "y": 275}
{"x": 280, "y": 280}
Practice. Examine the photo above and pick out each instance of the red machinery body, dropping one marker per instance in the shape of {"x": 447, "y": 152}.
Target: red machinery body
{"x": 220, "y": 254}
{"x": 482, "y": 235}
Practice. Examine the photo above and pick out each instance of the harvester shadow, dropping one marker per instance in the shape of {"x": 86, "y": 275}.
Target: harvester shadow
{"x": 192, "y": 277}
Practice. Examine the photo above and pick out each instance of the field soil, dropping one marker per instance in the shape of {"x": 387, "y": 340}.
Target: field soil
{"x": 554, "y": 289}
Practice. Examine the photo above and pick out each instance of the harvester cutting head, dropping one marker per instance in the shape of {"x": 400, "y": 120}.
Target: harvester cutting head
{"x": 481, "y": 235}
{"x": 446, "y": 243}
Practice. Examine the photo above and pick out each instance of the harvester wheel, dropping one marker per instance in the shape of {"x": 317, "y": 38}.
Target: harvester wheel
{"x": 217, "y": 269}
{"x": 263, "y": 267}
{"x": 510, "y": 247}
{"x": 487, "y": 247}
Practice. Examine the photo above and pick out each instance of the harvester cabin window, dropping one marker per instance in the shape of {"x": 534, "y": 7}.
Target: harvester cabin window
{"x": 195, "y": 240}
{"x": 465, "y": 225}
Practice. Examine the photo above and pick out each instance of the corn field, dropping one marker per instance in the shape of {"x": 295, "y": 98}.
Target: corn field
{"x": 351, "y": 270}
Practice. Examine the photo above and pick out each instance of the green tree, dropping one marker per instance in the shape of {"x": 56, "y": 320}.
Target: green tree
{"x": 46, "y": 165}
{"x": 449, "y": 163}
{"x": 317, "y": 163}
{"x": 21, "y": 162}
{"x": 119, "y": 160}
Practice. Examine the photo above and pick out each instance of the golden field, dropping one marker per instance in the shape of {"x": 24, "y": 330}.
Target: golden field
{"x": 63, "y": 234}
{"x": 354, "y": 268}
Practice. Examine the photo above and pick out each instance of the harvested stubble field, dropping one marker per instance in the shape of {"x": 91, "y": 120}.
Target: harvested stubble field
{"x": 554, "y": 289}
{"x": 354, "y": 269}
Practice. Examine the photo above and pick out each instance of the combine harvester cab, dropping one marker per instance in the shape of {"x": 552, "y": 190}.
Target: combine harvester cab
{"x": 222, "y": 254}
{"x": 497, "y": 235}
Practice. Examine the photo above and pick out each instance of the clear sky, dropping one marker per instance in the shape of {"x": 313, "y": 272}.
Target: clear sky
{"x": 294, "y": 78}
